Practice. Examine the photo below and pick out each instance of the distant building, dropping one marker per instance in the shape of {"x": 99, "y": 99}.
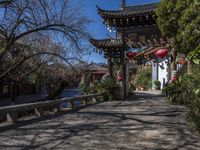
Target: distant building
{"x": 94, "y": 72}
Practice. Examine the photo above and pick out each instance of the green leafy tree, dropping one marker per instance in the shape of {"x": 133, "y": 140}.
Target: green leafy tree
{"x": 179, "y": 20}
{"x": 195, "y": 55}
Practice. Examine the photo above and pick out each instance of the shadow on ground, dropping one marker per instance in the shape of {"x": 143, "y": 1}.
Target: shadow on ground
{"x": 142, "y": 122}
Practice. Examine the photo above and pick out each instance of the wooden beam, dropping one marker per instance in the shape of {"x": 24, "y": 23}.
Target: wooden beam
{"x": 110, "y": 65}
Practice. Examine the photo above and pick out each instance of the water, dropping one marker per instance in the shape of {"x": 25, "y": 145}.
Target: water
{"x": 70, "y": 93}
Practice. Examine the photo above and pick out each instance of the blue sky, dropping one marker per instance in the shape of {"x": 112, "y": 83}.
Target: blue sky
{"x": 96, "y": 28}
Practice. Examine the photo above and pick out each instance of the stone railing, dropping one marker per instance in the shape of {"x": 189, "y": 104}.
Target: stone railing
{"x": 11, "y": 112}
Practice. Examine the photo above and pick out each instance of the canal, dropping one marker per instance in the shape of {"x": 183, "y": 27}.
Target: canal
{"x": 70, "y": 93}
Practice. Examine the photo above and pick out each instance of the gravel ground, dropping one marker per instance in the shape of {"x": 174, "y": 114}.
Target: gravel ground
{"x": 143, "y": 122}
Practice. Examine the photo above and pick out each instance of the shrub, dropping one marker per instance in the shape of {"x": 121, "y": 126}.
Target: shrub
{"x": 131, "y": 88}
{"x": 142, "y": 78}
{"x": 157, "y": 84}
{"x": 150, "y": 84}
{"x": 110, "y": 87}
{"x": 174, "y": 92}
{"x": 186, "y": 91}
{"x": 84, "y": 87}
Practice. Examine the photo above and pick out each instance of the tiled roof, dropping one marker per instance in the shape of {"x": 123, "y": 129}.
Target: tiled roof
{"x": 129, "y": 11}
{"x": 107, "y": 43}
{"x": 94, "y": 67}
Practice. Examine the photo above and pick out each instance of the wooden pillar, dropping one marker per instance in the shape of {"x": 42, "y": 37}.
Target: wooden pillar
{"x": 110, "y": 65}
{"x": 157, "y": 68}
{"x": 123, "y": 64}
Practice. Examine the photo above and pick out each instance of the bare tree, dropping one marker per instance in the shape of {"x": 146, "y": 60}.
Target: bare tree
{"x": 27, "y": 18}
{"x": 4, "y": 3}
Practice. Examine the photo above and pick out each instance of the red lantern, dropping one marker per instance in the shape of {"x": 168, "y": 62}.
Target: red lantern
{"x": 162, "y": 53}
{"x": 181, "y": 61}
{"x": 173, "y": 79}
{"x": 131, "y": 54}
{"x": 119, "y": 78}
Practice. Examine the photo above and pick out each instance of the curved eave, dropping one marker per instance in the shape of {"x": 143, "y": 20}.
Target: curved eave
{"x": 106, "y": 13}
{"x": 128, "y": 12}
{"x": 106, "y": 43}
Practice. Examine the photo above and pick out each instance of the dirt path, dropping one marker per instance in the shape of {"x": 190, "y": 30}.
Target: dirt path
{"x": 143, "y": 123}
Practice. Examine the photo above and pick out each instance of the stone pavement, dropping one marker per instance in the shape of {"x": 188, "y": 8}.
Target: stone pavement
{"x": 144, "y": 122}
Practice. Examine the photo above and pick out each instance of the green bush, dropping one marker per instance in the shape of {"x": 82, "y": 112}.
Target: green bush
{"x": 143, "y": 78}
{"x": 186, "y": 91}
{"x": 106, "y": 97}
{"x": 174, "y": 92}
{"x": 157, "y": 83}
{"x": 109, "y": 87}
{"x": 131, "y": 88}
{"x": 90, "y": 88}
{"x": 150, "y": 83}
{"x": 84, "y": 87}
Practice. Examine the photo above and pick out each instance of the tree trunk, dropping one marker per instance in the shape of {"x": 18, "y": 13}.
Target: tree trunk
{"x": 189, "y": 67}
{"x": 173, "y": 65}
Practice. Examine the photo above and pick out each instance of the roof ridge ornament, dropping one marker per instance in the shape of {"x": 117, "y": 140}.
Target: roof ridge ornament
{"x": 123, "y": 4}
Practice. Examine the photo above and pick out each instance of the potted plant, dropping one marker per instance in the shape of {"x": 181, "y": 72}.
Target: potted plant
{"x": 157, "y": 84}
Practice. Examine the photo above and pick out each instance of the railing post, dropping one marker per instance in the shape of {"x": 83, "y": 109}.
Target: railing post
{"x": 56, "y": 108}
{"x": 83, "y": 101}
{"x": 94, "y": 100}
{"x": 71, "y": 104}
{"x": 11, "y": 117}
{"x": 38, "y": 112}
{"x": 86, "y": 101}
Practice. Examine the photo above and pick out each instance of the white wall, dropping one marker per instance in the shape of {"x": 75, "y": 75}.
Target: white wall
{"x": 162, "y": 73}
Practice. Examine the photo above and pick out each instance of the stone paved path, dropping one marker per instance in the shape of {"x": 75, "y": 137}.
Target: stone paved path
{"x": 143, "y": 123}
